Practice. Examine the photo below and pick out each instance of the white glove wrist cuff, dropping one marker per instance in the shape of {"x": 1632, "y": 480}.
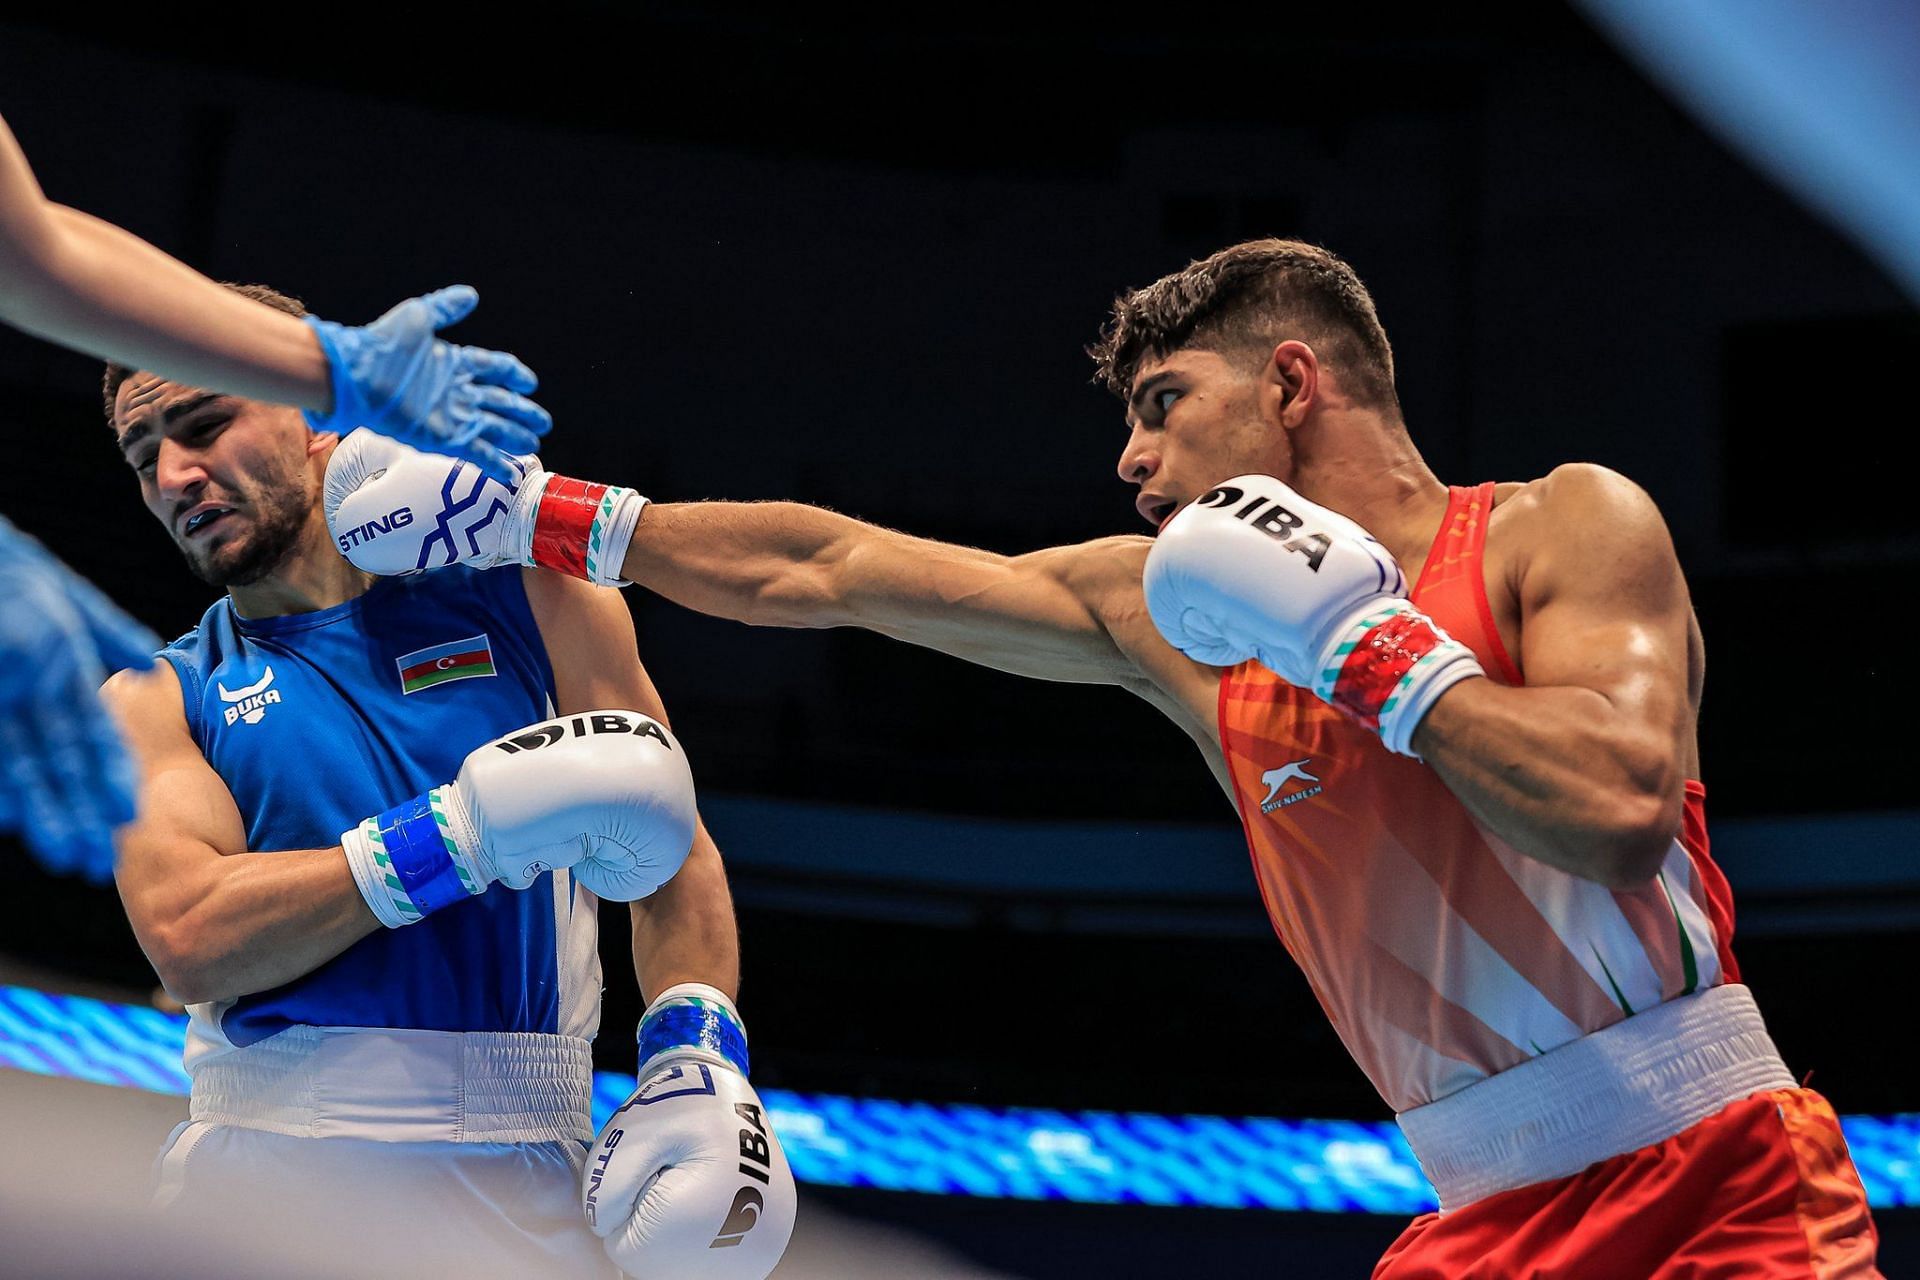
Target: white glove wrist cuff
{"x": 1443, "y": 669}
{"x": 1386, "y": 664}
{"x": 414, "y": 859}
{"x": 518, "y": 544}
{"x": 375, "y": 879}
{"x": 604, "y": 567}
{"x": 693, "y": 1020}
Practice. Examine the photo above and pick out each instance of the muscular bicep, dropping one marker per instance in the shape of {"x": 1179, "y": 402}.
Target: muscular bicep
{"x": 1604, "y": 606}
{"x": 187, "y": 817}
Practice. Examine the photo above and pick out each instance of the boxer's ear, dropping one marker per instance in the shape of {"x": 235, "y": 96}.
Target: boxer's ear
{"x": 1292, "y": 382}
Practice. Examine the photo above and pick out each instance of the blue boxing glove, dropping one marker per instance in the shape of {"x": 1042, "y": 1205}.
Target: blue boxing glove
{"x": 65, "y": 779}
{"x": 395, "y": 377}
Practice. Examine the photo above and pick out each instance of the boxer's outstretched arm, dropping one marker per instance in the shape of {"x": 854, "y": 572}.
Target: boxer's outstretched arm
{"x": 1582, "y": 767}
{"x": 87, "y": 285}
{"x": 684, "y": 931}
{"x": 1058, "y": 614}
{"x": 215, "y": 920}
{"x": 1048, "y": 614}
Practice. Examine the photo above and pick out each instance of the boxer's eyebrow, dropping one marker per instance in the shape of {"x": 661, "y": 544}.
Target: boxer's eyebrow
{"x": 1141, "y": 392}
{"x": 173, "y": 413}
{"x": 140, "y": 430}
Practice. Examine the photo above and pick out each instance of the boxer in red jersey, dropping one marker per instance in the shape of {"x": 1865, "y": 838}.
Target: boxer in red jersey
{"x": 1458, "y": 725}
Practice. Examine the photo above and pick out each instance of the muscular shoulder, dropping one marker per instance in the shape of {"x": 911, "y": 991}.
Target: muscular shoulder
{"x": 157, "y": 688}
{"x": 1581, "y": 520}
{"x": 1581, "y": 489}
{"x": 147, "y": 705}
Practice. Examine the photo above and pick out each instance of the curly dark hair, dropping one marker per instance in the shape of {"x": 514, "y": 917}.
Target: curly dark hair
{"x": 1245, "y": 300}
{"x": 119, "y": 373}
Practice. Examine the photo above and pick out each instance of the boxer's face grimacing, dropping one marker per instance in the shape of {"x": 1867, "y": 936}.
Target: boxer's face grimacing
{"x": 1195, "y": 420}
{"x": 229, "y": 478}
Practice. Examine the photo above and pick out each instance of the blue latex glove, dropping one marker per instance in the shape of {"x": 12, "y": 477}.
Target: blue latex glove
{"x": 65, "y": 779}
{"x": 394, "y": 376}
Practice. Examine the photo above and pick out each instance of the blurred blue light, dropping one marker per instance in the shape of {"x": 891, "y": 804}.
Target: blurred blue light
{"x": 1023, "y": 1153}
{"x": 1822, "y": 95}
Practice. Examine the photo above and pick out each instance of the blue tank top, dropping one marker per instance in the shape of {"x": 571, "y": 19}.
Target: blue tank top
{"x": 317, "y": 720}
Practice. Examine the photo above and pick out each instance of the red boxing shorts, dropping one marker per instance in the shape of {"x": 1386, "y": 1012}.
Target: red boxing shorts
{"x": 1762, "y": 1190}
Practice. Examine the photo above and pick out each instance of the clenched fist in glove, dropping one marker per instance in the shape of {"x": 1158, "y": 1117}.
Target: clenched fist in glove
{"x": 1253, "y": 570}
{"x": 606, "y": 793}
{"x": 687, "y": 1179}
{"x": 394, "y": 510}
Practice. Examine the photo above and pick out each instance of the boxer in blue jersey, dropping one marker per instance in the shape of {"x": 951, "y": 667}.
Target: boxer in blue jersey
{"x": 375, "y": 820}
{"x": 65, "y": 780}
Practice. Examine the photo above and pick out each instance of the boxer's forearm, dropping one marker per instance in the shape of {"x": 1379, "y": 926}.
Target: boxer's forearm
{"x": 92, "y": 287}
{"x": 1044, "y": 614}
{"x": 1559, "y": 774}
{"x": 245, "y": 922}
{"x": 685, "y": 931}
{"x": 675, "y": 1161}
{"x": 765, "y": 563}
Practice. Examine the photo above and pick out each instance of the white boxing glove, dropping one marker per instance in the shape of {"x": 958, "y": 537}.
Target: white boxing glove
{"x": 606, "y": 793}
{"x": 1253, "y": 570}
{"x": 394, "y": 510}
{"x": 687, "y": 1180}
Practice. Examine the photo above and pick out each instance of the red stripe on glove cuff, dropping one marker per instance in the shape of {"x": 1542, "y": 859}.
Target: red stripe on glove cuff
{"x": 563, "y": 524}
{"x": 1375, "y": 667}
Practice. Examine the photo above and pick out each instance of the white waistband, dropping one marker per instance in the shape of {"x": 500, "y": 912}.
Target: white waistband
{"x": 1627, "y": 1086}
{"x": 403, "y": 1086}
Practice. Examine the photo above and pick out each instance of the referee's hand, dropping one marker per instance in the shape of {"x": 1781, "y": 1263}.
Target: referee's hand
{"x": 65, "y": 779}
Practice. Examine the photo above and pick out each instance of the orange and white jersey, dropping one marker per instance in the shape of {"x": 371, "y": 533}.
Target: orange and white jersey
{"x": 1442, "y": 955}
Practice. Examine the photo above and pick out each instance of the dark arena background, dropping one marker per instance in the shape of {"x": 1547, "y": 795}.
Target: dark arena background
{"x": 1014, "y": 1000}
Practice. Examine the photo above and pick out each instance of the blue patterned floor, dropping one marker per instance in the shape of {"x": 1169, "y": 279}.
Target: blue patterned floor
{"x": 1026, "y": 1153}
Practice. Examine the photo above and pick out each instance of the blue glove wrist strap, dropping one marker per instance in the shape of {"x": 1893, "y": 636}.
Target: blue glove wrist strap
{"x": 689, "y": 1021}
{"x": 417, "y": 848}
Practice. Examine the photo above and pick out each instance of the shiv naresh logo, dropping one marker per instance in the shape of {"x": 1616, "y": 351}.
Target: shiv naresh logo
{"x": 1275, "y": 779}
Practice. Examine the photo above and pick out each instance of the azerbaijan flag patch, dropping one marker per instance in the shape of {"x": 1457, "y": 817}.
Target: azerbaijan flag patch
{"x": 455, "y": 660}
